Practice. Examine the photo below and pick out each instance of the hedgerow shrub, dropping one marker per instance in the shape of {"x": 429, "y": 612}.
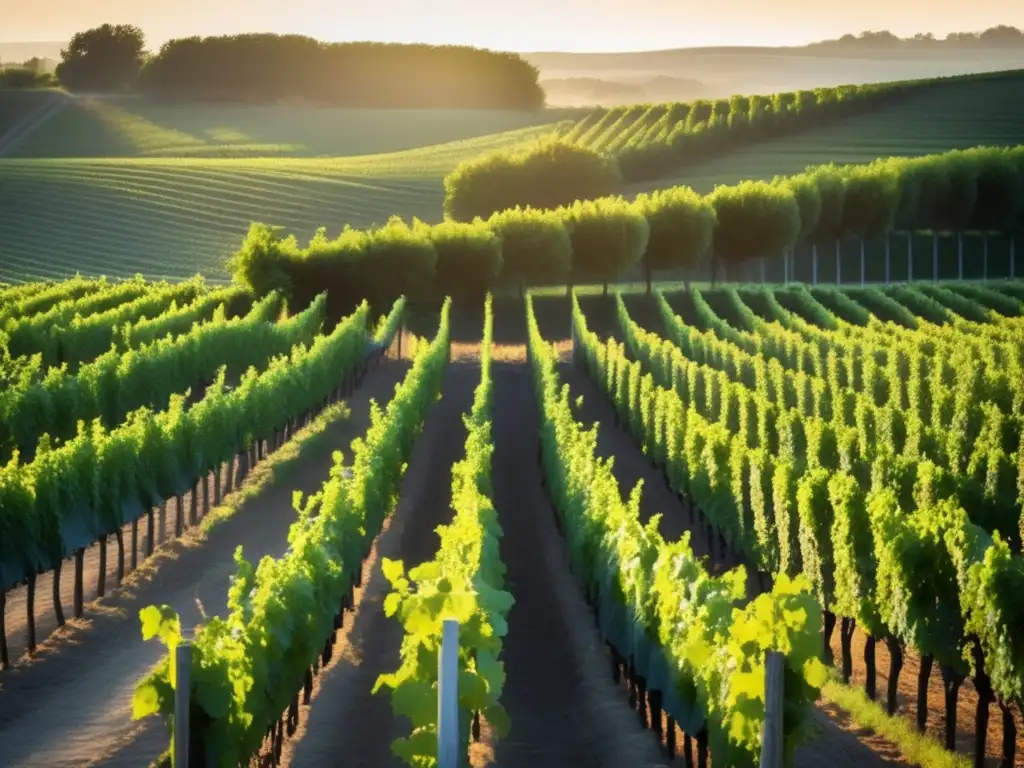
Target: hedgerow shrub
{"x": 682, "y": 227}
{"x": 535, "y": 245}
{"x": 755, "y": 219}
{"x": 808, "y": 200}
{"x": 545, "y": 174}
{"x": 831, "y": 192}
{"x": 264, "y": 259}
{"x": 1000, "y": 191}
{"x": 608, "y": 235}
{"x": 469, "y": 256}
{"x": 871, "y": 198}
{"x": 401, "y": 260}
{"x": 599, "y": 239}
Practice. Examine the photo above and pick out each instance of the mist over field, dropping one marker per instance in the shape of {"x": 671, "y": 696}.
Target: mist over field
{"x": 681, "y": 75}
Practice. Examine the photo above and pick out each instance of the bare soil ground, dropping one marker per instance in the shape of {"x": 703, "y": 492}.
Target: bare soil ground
{"x": 563, "y": 705}
{"x": 71, "y": 705}
{"x": 936, "y": 724}
{"x": 16, "y": 611}
{"x": 345, "y": 718}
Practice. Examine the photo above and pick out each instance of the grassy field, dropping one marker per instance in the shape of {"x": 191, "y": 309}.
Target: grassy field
{"x": 954, "y": 116}
{"x": 14, "y": 105}
{"x": 132, "y": 127}
{"x": 127, "y": 186}
{"x": 156, "y": 190}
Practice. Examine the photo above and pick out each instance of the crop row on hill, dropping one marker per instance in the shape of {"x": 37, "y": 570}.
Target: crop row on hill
{"x": 977, "y": 189}
{"x": 824, "y": 467}
{"x": 650, "y": 140}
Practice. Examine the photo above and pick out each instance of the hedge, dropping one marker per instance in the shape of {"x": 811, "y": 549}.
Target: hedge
{"x": 601, "y": 238}
{"x": 544, "y": 174}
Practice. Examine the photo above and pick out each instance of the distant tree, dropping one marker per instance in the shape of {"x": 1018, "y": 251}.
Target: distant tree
{"x": 105, "y": 58}
{"x": 20, "y": 77}
{"x": 1002, "y": 35}
{"x": 270, "y": 68}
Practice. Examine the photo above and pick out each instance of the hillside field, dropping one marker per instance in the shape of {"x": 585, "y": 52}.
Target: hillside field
{"x": 125, "y": 186}
{"x": 953, "y": 116}
{"x": 723, "y": 71}
{"x": 165, "y": 191}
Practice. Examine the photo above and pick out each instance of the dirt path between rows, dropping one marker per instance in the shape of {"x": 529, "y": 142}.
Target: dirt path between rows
{"x": 345, "y": 718}
{"x": 840, "y": 742}
{"x": 563, "y": 705}
{"x": 72, "y": 706}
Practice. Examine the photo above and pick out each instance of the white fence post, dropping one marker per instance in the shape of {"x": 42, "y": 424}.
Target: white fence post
{"x": 182, "y": 690}
{"x": 771, "y": 736}
{"x": 448, "y": 697}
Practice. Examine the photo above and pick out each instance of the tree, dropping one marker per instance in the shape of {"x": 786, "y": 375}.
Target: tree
{"x": 608, "y": 236}
{"x": 105, "y": 58}
{"x": 754, "y": 218}
{"x": 535, "y": 246}
{"x": 468, "y": 256}
{"x": 870, "y": 202}
{"x": 682, "y": 226}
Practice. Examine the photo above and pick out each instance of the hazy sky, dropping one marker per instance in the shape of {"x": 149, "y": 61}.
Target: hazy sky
{"x": 523, "y": 25}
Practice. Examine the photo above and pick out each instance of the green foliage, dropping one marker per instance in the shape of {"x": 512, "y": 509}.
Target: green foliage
{"x": 247, "y": 666}
{"x": 469, "y": 256}
{"x": 389, "y": 324}
{"x": 100, "y": 477}
{"x": 923, "y": 413}
{"x": 703, "y": 643}
{"x": 685, "y": 134}
{"x": 535, "y": 245}
{"x": 272, "y": 68}
{"x": 105, "y": 58}
{"x": 119, "y": 382}
{"x": 754, "y": 219}
{"x": 463, "y": 582}
{"x": 749, "y": 220}
{"x": 545, "y": 174}
{"x": 682, "y": 225}
{"x": 608, "y": 236}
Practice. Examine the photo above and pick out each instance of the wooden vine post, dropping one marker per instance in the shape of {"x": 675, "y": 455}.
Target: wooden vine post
{"x": 182, "y": 689}
{"x": 448, "y": 697}
{"x": 772, "y": 736}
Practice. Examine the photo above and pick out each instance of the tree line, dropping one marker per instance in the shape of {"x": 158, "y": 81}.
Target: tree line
{"x": 263, "y": 68}
{"x": 31, "y": 73}
{"x": 998, "y": 36}
{"x": 598, "y": 240}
